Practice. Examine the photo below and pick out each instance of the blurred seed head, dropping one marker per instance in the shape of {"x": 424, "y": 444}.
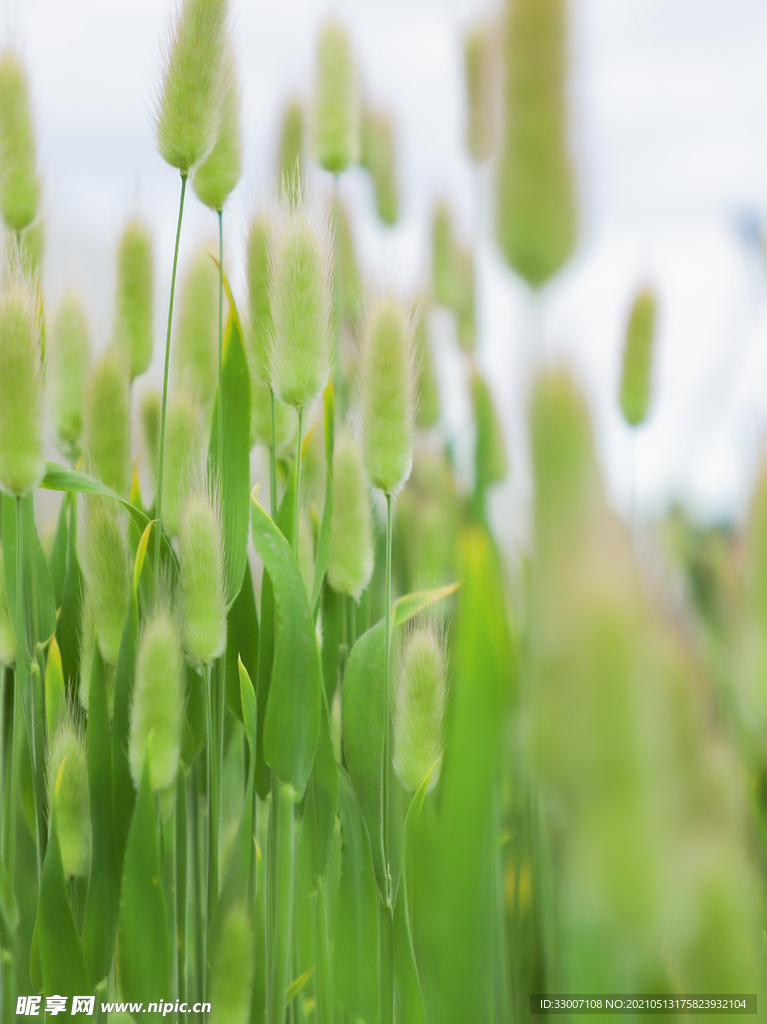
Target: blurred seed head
{"x": 195, "y": 348}
{"x": 348, "y": 280}
{"x": 7, "y": 630}
{"x": 378, "y": 158}
{"x": 350, "y": 563}
{"x": 22, "y": 461}
{"x": 419, "y": 709}
{"x": 188, "y": 113}
{"x": 387, "y": 393}
{"x": 66, "y": 758}
{"x": 134, "y": 297}
{"x": 106, "y": 433}
{"x": 232, "y": 973}
{"x": 183, "y": 448}
{"x": 32, "y": 246}
{"x": 220, "y": 171}
{"x": 301, "y": 340}
{"x": 68, "y": 353}
{"x": 490, "y": 464}
{"x": 480, "y": 66}
{"x": 337, "y": 105}
{"x": 106, "y": 565}
{"x": 201, "y": 558}
{"x": 158, "y": 703}
{"x": 258, "y": 296}
{"x": 636, "y": 381}
{"x": 443, "y": 256}
{"x": 427, "y": 411}
{"x": 150, "y": 411}
{"x": 19, "y": 183}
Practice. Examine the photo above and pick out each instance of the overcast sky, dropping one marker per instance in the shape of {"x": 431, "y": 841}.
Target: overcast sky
{"x": 669, "y": 101}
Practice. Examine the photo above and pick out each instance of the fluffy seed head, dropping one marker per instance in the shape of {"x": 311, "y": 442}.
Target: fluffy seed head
{"x": 32, "y": 244}
{"x": 636, "y": 383}
{"x": 7, "y": 632}
{"x": 387, "y": 394}
{"x": 22, "y": 463}
{"x": 133, "y": 300}
{"x": 188, "y": 115}
{"x": 258, "y": 296}
{"x": 196, "y": 343}
{"x": 106, "y": 435}
{"x": 201, "y": 557}
{"x": 232, "y": 974}
{"x": 150, "y": 412}
{"x": 350, "y": 564}
{"x": 105, "y": 561}
{"x": 300, "y": 348}
{"x": 183, "y": 445}
{"x": 69, "y": 354}
{"x": 378, "y": 158}
{"x": 337, "y": 107}
{"x": 290, "y": 169}
{"x": 348, "y": 280}
{"x": 480, "y": 62}
{"x": 19, "y": 184}
{"x": 217, "y": 175}
{"x": 463, "y": 280}
{"x": 535, "y": 195}
{"x": 419, "y": 710}
{"x": 72, "y": 808}
{"x": 490, "y": 464}
{"x": 158, "y": 704}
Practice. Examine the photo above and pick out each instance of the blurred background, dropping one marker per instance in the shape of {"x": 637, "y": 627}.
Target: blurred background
{"x": 668, "y": 130}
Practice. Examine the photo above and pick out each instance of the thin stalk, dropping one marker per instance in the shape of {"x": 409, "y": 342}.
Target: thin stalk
{"x": 197, "y": 891}
{"x": 296, "y": 496}
{"x": 3, "y": 692}
{"x": 386, "y": 931}
{"x": 220, "y": 403}
{"x": 387, "y": 693}
{"x": 273, "y": 463}
{"x": 181, "y": 883}
{"x": 283, "y": 810}
{"x": 322, "y": 952}
{"x": 213, "y": 813}
{"x": 161, "y": 455}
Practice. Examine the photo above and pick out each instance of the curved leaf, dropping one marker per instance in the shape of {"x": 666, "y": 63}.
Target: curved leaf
{"x": 234, "y": 471}
{"x": 320, "y": 810}
{"x": 410, "y": 605}
{"x": 292, "y": 722}
{"x": 356, "y": 945}
{"x": 241, "y": 641}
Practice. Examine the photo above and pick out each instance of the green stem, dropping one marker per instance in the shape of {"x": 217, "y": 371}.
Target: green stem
{"x": 181, "y": 882}
{"x": 283, "y": 810}
{"x": 322, "y": 951}
{"x": 386, "y": 931}
{"x": 161, "y": 454}
{"x": 220, "y": 403}
{"x": 296, "y": 496}
{"x": 387, "y": 694}
{"x": 197, "y": 890}
{"x": 213, "y": 813}
{"x": 273, "y": 462}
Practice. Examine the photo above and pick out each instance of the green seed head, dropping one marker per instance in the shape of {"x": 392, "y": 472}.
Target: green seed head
{"x": 106, "y": 435}
{"x": 337, "y": 108}
{"x": 350, "y": 564}
{"x": 300, "y": 348}
{"x": 22, "y": 462}
{"x": 535, "y": 195}
{"x": 348, "y": 280}
{"x": 158, "y": 701}
{"x": 66, "y": 755}
{"x": 378, "y": 159}
{"x": 427, "y": 414}
{"x": 150, "y": 412}
{"x": 490, "y": 465}
{"x": 258, "y": 296}
{"x": 32, "y": 242}
{"x": 196, "y": 343}
{"x": 291, "y": 154}
{"x": 232, "y": 974}
{"x": 188, "y": 115}
{"x": 7, "y": 632}
{"x": 479, "y": 61}
{"x": 443, "y": 256}
{"x": 387, "y": 394}
{"x": 69, "y": 354}
{"x": 87, "y": 640}
{"x": 133, "y": 301}
{"x": 636, "y": 383}
{"x": 106, "y": 566}
{"x": 201, "y": 557}
{"x": 419, "y": 711}
{"x": 183, "y": 445}
{"x": 19, "y": 184}
{"x": 463, "y": 270}
{"x": 217, "y": 175}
